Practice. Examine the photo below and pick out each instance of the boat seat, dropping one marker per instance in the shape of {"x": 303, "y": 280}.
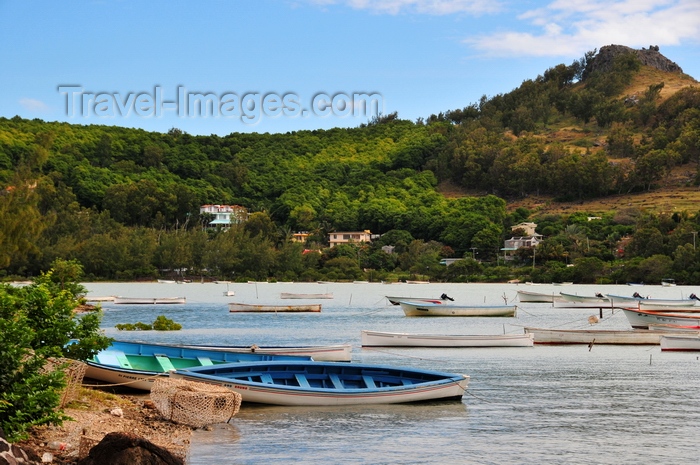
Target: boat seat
{"x": 205, "y": 361}
{"x": 406, "y": 382}
{"x": 301, "y": 379}
{"x": 369, "y": 382}
{"x": 336, "y": 381}
{"x": 266, "y": 378}
{"x": 114, "y": 358}
{"x": 165, "y": 362}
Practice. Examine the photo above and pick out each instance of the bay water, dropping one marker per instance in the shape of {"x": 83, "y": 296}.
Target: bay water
{"x": 545, "y": 404}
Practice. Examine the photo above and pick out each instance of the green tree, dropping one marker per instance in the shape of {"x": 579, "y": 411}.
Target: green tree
{"x": 37, "y": 322}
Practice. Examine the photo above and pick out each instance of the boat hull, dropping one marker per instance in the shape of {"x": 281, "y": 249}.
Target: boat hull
{"x": 620, "y": 300}
{"x": 289, "y": 295}
{"x": 149, "y": 300}
{"x": 538, "y": 297}
{"x": 431, "y": 309}
{"x": 640, "y": 319}
{"x": 393, "y": 300}
{"x": 585, "y": 336}
{"x": 681, "y": 343}
{"x": 332, "y": 353}
{"x": 239, "y": 307}
{"x": 321, "y": 383}
{"x": 385, "y": 339}
{"x": 583, "y": 299}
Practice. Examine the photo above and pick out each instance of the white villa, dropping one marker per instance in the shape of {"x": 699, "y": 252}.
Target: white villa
{"x": 225, "y": 215}
{"x": 336, "y": 238}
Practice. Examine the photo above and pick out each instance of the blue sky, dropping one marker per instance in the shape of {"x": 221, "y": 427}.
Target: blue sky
{"x": 139, "y": 59}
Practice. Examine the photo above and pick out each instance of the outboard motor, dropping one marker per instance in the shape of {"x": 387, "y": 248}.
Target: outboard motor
{"x": 599, "y": 295}
{"x": 636, "y": 295}
{"x": 693, "y": 296}
{"x": 446, "y": 297}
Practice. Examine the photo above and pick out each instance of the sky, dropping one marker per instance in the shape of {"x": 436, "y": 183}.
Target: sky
{"x": 217, "y": 67}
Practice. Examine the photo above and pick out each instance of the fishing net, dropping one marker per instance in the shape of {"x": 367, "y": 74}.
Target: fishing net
{"x": 194, "y": 404}
{"x": 74, "y": 372}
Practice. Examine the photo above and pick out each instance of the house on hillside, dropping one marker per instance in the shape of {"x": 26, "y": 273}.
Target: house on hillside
{"x": 532, "y": 239}
{"x": 336, "y": 238}
{"x": 529, "y": 228}
{"x": 224, "y": 215}
{"x": 300, "y": 236}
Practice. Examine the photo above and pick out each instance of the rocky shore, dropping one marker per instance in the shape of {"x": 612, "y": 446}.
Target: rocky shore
{"x": 96, "y": 414}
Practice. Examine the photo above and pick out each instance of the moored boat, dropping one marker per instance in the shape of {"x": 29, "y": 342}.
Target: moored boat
{"x": 393, "y": 300}
{"x": 104, "y": 298}
{"x": 433, "y": 309}
{"x": 636, "y": 299}
{"x": 329, "y": 383}
{"x": 641, "y": 319}
{"x": 586, "y": 299}
{"x": 291, "y": 295}
{"x": 680, "y": 342}
{"x": 674, "y": 328}
{"x": 149, "y": 300}
{"x": 329, "y": 353}
{"x": 241, "y": 307}
{"x": 595, "y": 336}
{"x": 387, "y": 339}
{"x": 167, "y": 281}
{"x": 538, "y": 297}
{"x": 136, "y": 365}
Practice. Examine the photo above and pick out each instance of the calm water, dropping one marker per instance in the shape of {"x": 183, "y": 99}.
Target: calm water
{"x": 607, "y": 405}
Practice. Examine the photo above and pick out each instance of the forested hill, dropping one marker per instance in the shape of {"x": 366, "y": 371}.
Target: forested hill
{"x": 575, "y": 132}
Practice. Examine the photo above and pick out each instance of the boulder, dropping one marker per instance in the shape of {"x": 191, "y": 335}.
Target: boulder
{"x": 128, "y": 449}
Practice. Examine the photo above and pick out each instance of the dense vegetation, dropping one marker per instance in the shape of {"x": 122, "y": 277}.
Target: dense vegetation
{"x": 36, "y": 324}
{"x": 125, "y": 202}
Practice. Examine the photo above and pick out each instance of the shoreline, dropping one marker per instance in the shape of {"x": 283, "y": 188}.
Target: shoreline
{"x": 96, "y": 413}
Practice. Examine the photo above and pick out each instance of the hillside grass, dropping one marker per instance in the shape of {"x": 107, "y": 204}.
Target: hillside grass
{"x": 675, "y": 193}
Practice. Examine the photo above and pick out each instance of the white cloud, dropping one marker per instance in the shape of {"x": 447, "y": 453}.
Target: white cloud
{"x": 431, "y": 7}
{"x": 573, "y": 27}
{"x": 31, "y": 104}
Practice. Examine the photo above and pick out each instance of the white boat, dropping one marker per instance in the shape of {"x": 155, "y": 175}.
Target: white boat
{"x": 595, "y": 336}
{"x": 167, "y": 281}
{"x": 636, "y": 299}
{"x": 642, "y": 318}
{"x": 329, "y": 383}
{"x": 585, "y": 299}
{"x": 241, "y": 307}
{"x": 432, "y": 309}
{"x": 149, "y": 300}
{"x": 674, "y": 328}
{"x": 394, "y": 300}
{"x": 680, "y": 342}
{"x": 330, "y": 353}
{"x": 668, "y": 282}
{"x": 228, "y": 292}
{"x": 538, "y": 297}
{"x": 105, "y": 298}
{"x": 385, "y": 339}
{"x": 417, "y": 282}
{"x": 291, "y": 295}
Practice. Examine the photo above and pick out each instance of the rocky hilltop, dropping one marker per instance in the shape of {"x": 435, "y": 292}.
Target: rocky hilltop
{"x": 648, "y": 56}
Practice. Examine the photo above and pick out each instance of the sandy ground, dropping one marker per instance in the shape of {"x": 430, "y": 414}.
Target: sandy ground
{"x": 96, "y": 413}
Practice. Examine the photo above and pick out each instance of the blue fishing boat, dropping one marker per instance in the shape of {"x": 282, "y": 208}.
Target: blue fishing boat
{"x": 328, "y": 383}
{"x": 136, "y": 365}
